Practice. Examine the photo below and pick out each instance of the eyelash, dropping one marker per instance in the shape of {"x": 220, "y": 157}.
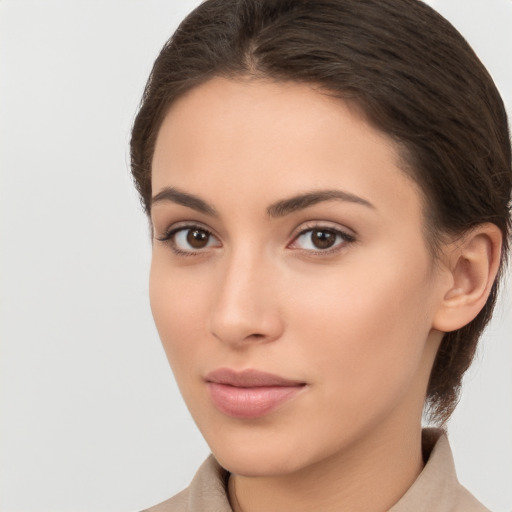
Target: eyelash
{"x": 168, "y": 238}
{"x": 346, "y": 238}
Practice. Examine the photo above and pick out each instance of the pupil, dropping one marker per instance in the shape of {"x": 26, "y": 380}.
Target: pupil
{"x": 197, "y": 238}
{"x": 323, "y": 239}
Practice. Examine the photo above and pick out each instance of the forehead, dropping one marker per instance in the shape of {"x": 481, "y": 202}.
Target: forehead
{"x": 262, "y": 139}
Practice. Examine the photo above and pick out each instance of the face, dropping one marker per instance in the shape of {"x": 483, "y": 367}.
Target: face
{"x": 291, "y": 284}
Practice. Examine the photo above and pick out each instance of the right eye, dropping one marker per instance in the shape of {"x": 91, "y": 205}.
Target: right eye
{"x": 190, "y": 239}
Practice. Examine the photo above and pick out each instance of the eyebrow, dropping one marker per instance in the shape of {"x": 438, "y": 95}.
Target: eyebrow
{"x": 278, "y": 209}
{"x": 302, "y": 201}
{"x": 184, "y": 199}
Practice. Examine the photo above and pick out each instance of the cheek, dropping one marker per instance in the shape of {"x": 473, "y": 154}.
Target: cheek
{"x": 178, "y": 305}
{"x": 365, "y": 329}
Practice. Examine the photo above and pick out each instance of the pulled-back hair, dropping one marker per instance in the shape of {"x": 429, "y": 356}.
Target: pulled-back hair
{"x": 412, "y": 76}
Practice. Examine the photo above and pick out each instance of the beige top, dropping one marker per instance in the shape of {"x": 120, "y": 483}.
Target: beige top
{"x": 435, "y": 490}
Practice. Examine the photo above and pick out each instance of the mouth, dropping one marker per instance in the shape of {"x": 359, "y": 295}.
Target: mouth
{"x": 250, "y": 393}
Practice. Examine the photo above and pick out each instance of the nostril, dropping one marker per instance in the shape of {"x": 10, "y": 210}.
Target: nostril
{"x": 256, "y": 336}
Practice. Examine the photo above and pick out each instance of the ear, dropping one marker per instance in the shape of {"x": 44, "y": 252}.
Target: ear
{"x": 473, "y": 262}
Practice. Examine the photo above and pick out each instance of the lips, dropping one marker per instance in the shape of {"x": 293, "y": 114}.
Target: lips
{"x": 250, "y": 393}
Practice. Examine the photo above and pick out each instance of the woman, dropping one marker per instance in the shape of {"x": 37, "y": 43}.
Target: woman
{"x": 328, "y": 185}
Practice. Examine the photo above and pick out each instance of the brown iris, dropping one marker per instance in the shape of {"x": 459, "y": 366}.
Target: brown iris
{"x": 198, "y": 238}
{"x": 323, "y": 239}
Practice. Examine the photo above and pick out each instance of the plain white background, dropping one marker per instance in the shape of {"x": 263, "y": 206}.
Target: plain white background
{"x": 91, "y": 419}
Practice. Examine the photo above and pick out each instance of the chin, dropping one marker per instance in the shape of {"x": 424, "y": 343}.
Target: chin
{"x": 256, "y": 462}
{"x": 255, "y": 452}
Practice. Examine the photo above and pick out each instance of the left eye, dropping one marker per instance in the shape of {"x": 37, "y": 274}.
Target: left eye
{"x": 193, "y": 239}
{"x": 320, "y": 239}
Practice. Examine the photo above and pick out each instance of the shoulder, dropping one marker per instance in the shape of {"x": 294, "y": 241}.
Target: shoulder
{"x": 468, "y": 503}
{"x": 206, "y": 492}
{"x": 177, "y": 503}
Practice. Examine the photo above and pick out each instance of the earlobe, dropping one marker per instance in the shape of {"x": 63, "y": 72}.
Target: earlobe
{"x": 473, "y": 263}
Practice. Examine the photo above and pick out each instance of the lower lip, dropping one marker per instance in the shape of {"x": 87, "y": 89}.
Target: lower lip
{"x": 254, "y": 402}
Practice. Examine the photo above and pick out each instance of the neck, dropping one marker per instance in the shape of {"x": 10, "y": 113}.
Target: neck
{"x": 369, "y": 476}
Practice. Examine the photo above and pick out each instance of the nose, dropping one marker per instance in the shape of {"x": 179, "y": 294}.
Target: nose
{"x": 246, "y": 308}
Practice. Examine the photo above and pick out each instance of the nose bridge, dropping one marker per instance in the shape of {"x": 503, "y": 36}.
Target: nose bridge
{"x": 245, "y": 307}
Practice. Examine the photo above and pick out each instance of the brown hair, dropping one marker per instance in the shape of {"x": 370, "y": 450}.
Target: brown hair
{"x": 406, "y": 68}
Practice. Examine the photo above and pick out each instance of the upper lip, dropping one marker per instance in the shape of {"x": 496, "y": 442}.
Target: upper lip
{"x": 248, "y": 378}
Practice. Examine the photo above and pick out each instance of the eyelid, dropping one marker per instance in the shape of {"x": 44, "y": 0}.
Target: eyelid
{"x": 185, "y": 224}
{"x": 171, "y": 231}
{"x": 348, "y": 235}
{"x": 322, "y": 224}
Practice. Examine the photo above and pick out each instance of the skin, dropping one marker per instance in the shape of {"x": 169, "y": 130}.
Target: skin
{"x": 356, "y": 323}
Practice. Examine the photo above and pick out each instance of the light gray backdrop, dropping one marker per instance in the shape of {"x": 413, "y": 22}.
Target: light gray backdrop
{"x": 91, "y": 419}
